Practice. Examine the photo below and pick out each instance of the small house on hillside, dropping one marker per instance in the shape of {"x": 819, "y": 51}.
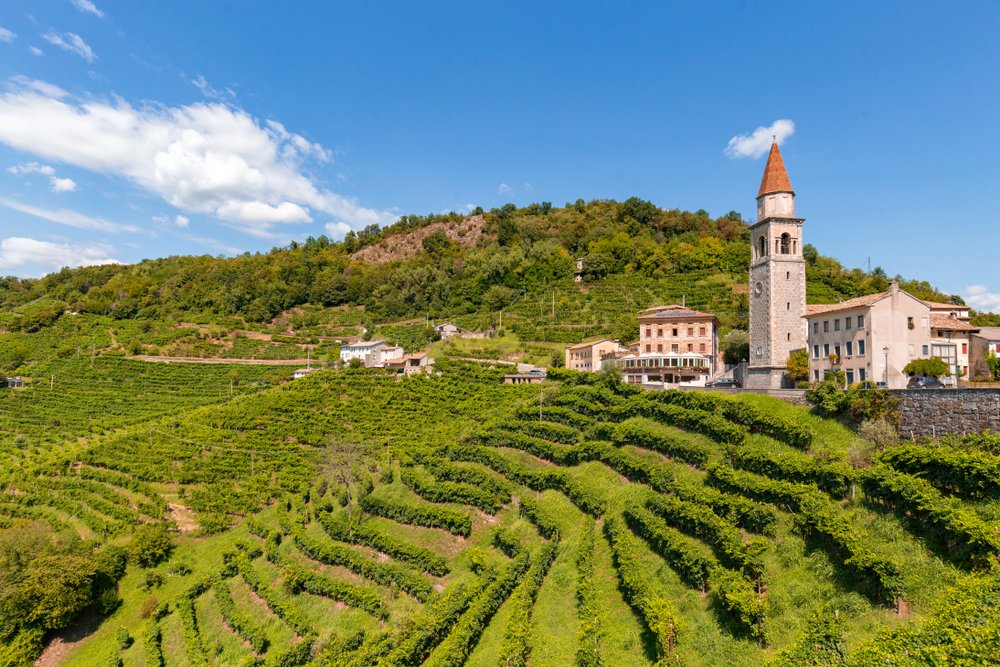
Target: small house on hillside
{"x": 302, "y": 372}
{"x": 531, "y": 377}
{"x": 15, "y": 383}
{"x": 411, "y": 364}
{"x": 371, "y": 353}
{"x": 447, "y": 330}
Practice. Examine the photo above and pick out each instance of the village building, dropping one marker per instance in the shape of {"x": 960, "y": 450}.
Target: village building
{"x": 594, "y": 356}
{"x": 411, "y": 364}
{"x": 677, "y": 346}
{"x": 371, "y": 353}
{"x": 14, "y": 383}
{"x": 777, "y": 279}
{"x": 302, "y": 372}
{"x": 985, "y": 341}
{"x": 531, "y": 377}
{"x": 446, "y": 330}
{"x": 951, "y": 338}
{"x": 870, "y": 337}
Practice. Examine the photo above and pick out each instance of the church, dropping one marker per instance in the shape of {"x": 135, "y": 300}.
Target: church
{"x": 777, "y": 280}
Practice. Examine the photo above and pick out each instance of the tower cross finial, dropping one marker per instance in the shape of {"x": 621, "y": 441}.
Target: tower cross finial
{"x": 774, "y": 138}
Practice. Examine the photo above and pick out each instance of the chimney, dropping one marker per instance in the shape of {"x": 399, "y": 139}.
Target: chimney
{"x": 893, "y": 286}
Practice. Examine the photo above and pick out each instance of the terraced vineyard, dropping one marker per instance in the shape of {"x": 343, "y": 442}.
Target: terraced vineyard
{"x": 354, "y": 519}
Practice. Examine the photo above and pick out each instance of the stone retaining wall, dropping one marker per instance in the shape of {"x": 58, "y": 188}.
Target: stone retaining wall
{"x": 935, "y": 412}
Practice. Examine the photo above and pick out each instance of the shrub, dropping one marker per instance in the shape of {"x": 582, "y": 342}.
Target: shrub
{"x": 150, "y": 545}
{"x": 934, "y": 367}
{"x": 123, "y": 639}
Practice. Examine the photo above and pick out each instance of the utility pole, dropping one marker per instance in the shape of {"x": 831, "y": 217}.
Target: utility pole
{"x": 52, "y": 381}
{"x": 500, "y": 328}
{"x": 540, "y": 400}
{"x": 553, "y": 305}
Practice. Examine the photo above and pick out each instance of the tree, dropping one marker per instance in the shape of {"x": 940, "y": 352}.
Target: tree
{"x": 626, "y": 329}
{"x": 798, "y": 365}
{"x": 933, "y": 367}
{"x": 736, "y": 346}
{"x": 150, "y": 545}
{"x": 437, "y": 244}
{"x": 993, "y": 362}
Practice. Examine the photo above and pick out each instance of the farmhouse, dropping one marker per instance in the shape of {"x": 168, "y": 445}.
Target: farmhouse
{"x": 371, "y": 353}
{"x": 411, "y": 364}
{"x": 446, "y": 330}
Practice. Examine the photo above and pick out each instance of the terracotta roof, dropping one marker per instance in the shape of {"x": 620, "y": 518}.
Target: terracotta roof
{"x": 673, "y": 310}
{"x": 580, "y": 346}
{"x": 775, "y": 177}
{"x": 990, "y": 333}
{"x": 856, "y": 302}
{"x": 951, "y": 323}
{"x": 937, "y": 305}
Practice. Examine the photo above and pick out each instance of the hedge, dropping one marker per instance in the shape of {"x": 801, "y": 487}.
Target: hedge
{"x": 386, "y": 574}
{"x": 450, "y": 492}
{"x": 446, "y": 470}
{"x": 658, "y": 614}
{"x": 276, "y": 603}
{"x": 964, "y": 533}
{"x": 710, "y": 424}
{"x": 738, "y": 595}
{"x": 530, "y": 510}
{"x": 454, "y": 651}
{"x": 366, "y": 599}
{"x": 371, "y": 536}
{"x": 640, "y": 435}
{"x": 969, "y": 474}
{"x": 515, "y": 647}
{"x": 152, "y": 644}
{"x": 553, "y": 431}
{"x": 834, "y": 477}
{"x": 589, "y": 606}
{"x": 429, "y": 516}
{"x": 684, "y": 555}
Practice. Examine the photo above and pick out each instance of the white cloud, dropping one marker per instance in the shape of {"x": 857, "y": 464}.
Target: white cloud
{"x": 35, "y": 51}
{"x": 182, "y": 221}
{"x": 981, "y": 298}
{"x": 337, "y": 230}
{"x": 58, "y": 184}
{"x": 505, "y": 189}
{"x": 201, "y": 158}
{"x": 759, "y": 141}
{"x": 17, "y": 251}
{"x": 67, "y": 217}
{"x": 210, "y": 92}
{"x": 88, "y": 7}
{"x": 32, "y": 168}
{"x": 71, "y": 42}
{"x": 6, "y": 35}
{"x": 43, "y": 87}
{"x": 62, "y": 184}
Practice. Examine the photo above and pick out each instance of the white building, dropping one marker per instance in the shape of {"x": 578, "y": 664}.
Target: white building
{"x": 371, "y": 353}
{"x": 411, "y": 364}
{"x": 446, "y": 330}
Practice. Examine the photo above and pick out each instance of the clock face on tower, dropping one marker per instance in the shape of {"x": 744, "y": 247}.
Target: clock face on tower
{"x": 758, "y": 289}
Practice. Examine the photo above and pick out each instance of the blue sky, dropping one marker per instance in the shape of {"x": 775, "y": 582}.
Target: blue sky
{"x": 134, "y": 129}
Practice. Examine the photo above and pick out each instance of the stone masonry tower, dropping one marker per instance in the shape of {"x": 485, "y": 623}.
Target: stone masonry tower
{"x": 777, "y": 279}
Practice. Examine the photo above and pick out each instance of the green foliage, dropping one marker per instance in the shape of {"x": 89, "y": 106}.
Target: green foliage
{"x": 821, "y": 644}
{"x": 588, "y": 605}
{"x": 370, "y": 536}
{"x": 246, "y": 627}
{"x": 798, "y": 365}
{"x": 639, "y": 434}
{"x": 456, "y": 492}
{"x": 682, "y": 554}
{"x": 739, "y": 596}
{"x": 828, "y": 397}
{"x": 993, "y": 364}
{"x": 516, "y": 647}
{"x": 834, "y": 477}
{"x": 657, "y": 613}
{"x": 150, "y": 545}
{"x": 965, "y": 536}
{"x": 933, "y": 367}
{"x": 735, "y": 346}
{"x": 430, "y": 516}
{"x": 966, "y": 473}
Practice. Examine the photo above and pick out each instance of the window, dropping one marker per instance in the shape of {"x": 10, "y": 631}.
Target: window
{"x": 847, "y": 322}
{"x": 816, "y": 375}
{"x": 861, "y": 375}
{"x": 674, "y": 347}
{"x": 826, "y": 326}
{"x": 675, "y": 331}
{"x": 861, "y": 348}
{"x": 786, "y": 243}
{"x": 649, "y": 348}
{"x": 701, "y": 331}
{"x": 788, "y": 305}
{"x": 815, "y": 327}
{"x": 690, "y": 331}
{"x": 826, "y": 349}
{"x": 815, "y": 351}
{"x": 849, "y": 346}
{"x": 788, "y": 275}
{"x": 659, "y": 332}
{"x": 649, "y": 332}
{"x": 850, "y": 376}
{"x": 836, "y": 324}
{"x": 690, "y": 347}
{"x": 909, "y": 322}
{"x": 788, "y": 336}
{"x": 760, "y": 350}
{"x": 923, "y": 322}
{"x": 925, "y": 351}
{"x": 836, "y": 349}
{"x": 861, "y": 321}
{"x": 965, "y": 348}
{"x": 659, "y": 347}
{"x": 701, "y": 348}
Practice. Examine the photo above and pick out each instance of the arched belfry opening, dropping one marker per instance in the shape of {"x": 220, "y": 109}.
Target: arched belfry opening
{"x": 786, "y": 243}
{"x": 761, "y": 247}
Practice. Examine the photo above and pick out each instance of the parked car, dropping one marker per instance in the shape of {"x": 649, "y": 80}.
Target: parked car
{"x": 924, "y": 382}
{"x": 724, "y": 383}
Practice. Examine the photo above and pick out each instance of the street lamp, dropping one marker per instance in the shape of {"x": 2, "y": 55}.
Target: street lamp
{"x": 885, "y": 351}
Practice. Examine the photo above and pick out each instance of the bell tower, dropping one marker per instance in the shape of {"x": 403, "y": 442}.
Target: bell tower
{"x": 777, "y": 279}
